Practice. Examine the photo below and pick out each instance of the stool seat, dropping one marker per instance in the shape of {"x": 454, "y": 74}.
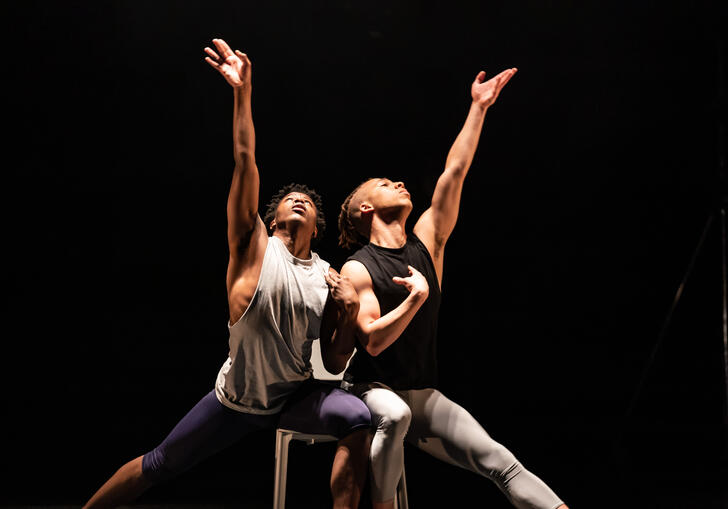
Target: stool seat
{"x": 284, "y": 437}
{"x": 283, "y": 440}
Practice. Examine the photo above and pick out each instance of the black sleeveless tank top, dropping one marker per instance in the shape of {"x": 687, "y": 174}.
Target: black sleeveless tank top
{"x": 411, "y": 361}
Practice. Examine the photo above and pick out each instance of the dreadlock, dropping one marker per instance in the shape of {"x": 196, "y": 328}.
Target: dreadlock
{"x": 270, "y": 211}
{"x": 352, "y": 231}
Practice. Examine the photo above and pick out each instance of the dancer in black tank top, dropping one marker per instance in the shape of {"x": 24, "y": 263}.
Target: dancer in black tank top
{"x": 411, "y": 361}
{"x": 397, "y": 277}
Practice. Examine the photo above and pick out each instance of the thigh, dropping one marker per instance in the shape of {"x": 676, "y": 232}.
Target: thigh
{"x": 322, "y": 408}
{"x": 446, "y": 430}
{"x": 213, "y": 425}
{"x": 207, "y": 428}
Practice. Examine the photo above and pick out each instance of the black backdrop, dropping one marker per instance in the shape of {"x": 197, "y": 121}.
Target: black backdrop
{"x": 595, "y": 174}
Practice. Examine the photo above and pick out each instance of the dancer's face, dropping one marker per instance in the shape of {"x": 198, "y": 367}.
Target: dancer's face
{"x": 296, "y": 210}
{"x": 385, "y": 195}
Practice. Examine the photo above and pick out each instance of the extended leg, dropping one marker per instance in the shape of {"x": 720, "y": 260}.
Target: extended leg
{"x": 124, "y": 486}
{"x": 206, "y": 429}
{"x": 447, "y": 431}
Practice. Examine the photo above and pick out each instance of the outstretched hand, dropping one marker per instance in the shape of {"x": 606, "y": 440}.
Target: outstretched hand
{"x": 234, "y": 66}
{"x": 486, "y": 92}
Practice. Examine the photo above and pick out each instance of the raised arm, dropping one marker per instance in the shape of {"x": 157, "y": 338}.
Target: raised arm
{"x": 437, "y": 222}
{"x": 242, "y": 205}
{"x": 377, "y": 332}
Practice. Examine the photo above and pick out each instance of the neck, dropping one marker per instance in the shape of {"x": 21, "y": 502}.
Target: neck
{"x": 297, "y": 245}
{"x": 390, "y": 234}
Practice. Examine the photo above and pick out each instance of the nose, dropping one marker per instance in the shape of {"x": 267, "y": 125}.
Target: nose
{"x": 398, "y": 185}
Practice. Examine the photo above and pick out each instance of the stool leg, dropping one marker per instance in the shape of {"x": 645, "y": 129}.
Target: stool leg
{"x": 400, "y": 501}
{"x": 279, "y": 483}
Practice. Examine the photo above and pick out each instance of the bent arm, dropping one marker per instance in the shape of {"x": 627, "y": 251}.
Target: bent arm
{"x": 338, "y": 332}
{"x": 338, "y": 328}
{"x": 376, "y": 332}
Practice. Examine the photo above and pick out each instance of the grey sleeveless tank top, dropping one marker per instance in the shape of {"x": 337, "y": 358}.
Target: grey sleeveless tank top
{"x": 270, "y": 345}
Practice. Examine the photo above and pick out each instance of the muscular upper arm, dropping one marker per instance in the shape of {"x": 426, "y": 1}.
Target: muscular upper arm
{"x": 242, "y": 204}
{"x": 244, "y": 266}
{"x": 368, "y": 303}
{"x": 436, "y": 224}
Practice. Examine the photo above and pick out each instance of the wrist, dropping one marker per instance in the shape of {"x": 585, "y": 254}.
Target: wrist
{"x": 420, "y": 295}
{"x": 242, "y": 91}
{"x": 479, "y": 107}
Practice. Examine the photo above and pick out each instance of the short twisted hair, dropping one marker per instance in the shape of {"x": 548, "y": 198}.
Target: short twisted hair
{"x": 352, "y": 230}
{"x": 270, "y": 211}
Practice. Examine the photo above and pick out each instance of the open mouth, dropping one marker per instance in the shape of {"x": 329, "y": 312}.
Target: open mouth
{"x": 299, "y": 209}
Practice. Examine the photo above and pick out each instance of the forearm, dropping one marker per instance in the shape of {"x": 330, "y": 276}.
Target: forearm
{"x": 379, "y": 334}
{"x": 341, "y": 344}
{"x": 242, "y": 203}
{"x": 243, "y": 129}
{"x": 463, "y": 149}
{"x": 436, "y": 224}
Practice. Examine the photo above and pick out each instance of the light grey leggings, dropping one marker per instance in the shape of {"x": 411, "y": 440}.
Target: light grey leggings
{"x": 447, "y": 431}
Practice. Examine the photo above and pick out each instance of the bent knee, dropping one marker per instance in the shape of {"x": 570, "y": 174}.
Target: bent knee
{"x": 395, "y": 421}
{"x": 156, "y": 467}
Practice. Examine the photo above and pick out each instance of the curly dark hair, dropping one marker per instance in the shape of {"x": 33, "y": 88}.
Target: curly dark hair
{"x": 270, "y": 211}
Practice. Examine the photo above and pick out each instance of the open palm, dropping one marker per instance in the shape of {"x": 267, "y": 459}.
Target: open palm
{"x": 486, "y": 92}
{"x": 234, "y": 66}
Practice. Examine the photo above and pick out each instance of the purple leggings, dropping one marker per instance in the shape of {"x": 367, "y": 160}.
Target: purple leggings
{"x": 316, "y": 407}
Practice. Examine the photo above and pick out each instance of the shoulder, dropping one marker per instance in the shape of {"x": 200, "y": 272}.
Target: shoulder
{"x": 252, "y": 243}
{"x": 247, "y": 262}
{"x": 357, "y": 273}
{"x": 354, "y": 267}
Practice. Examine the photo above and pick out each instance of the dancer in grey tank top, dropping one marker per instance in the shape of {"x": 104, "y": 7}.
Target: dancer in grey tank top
{"x": 398, "y": 279}
{"x": 281, "y": 298}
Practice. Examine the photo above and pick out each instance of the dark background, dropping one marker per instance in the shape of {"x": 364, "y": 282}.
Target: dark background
{"x": 596, "y": 172}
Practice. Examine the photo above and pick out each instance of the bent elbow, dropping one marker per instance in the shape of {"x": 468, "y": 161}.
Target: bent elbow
{"x": 365, "y": 338}
{"x": 374, "y": 350}
{"x": 334, "y": 368}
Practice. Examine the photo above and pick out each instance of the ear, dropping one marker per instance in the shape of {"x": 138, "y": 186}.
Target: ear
{"x": 272, "y": 225}
{"x": 315, "y": 232}
{"x": 365, "y": 207}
